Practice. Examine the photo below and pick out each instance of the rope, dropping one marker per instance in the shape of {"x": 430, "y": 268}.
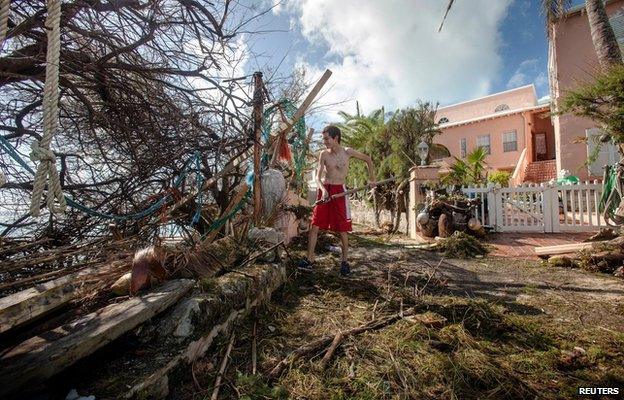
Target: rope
{"x": 200, "y": 181}
{"x": 221, "y": 221}
{"x": 4, "y": 143}
{"x": 196, "y": 160}
{"x": 5, "y": 6}
{"x": 41, "y": 150}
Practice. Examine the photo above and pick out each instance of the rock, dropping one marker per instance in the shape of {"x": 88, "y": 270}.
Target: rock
{"x": 267, "y": 237}
{"x": 121, "y": 287}
{"x": 179, "y": 324}
{"x": 580, "y": 351}
{"x": 73, "y": 395}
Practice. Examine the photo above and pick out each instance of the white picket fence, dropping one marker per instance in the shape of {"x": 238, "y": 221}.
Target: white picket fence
{"x": 540, "y": 208}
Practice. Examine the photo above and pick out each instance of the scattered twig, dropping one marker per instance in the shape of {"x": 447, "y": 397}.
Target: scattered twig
{"x": 195, "y": 381}
{"x": 331, "y": 350}
{"x": 224, "y": 362}
{"x": 374, "y": 308}
{"x": 317, "y": 345}
{"x": 254, "y": 345}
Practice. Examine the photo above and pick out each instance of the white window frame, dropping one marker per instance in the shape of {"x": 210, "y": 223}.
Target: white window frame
{"x": 463, "y": 147}
{"x": 488, "y": 146}
{"x": 505, "y": 136}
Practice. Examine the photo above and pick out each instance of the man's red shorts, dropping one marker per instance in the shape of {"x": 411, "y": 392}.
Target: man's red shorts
{"x": 334, "y": 215}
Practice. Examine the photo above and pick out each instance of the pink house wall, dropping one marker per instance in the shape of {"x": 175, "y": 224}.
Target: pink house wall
{"x": 573, "y": 63}
{"x": 515, "y": 98}
{"x": 450, "y": 137}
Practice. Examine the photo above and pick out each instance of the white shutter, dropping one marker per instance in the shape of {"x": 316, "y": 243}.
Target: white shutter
{"x": 617, "y": 23}
{"x": 606, "y": 155}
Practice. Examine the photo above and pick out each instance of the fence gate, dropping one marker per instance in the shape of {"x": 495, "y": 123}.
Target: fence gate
{"x": 540, "y": 208}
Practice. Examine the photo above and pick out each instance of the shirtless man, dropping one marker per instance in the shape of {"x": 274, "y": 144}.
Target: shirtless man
{"x": 334, "y": 215}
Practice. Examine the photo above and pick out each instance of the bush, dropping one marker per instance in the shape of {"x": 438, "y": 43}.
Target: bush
{"x": 500, "y": 177}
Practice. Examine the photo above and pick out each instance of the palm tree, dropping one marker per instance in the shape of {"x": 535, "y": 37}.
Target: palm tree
{"x": 603, "y": 37}
{"x": 470, "y": 171}
{"x": 367, "y": 134}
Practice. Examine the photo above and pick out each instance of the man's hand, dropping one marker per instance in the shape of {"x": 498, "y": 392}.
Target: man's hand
{"x": 324, "y": 194}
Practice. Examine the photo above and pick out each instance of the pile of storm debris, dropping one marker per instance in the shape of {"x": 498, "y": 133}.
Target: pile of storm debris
{"x": 602, "y": 252}
{"x": 158, "y": 287}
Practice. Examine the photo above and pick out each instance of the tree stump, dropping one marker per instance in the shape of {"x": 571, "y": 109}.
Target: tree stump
{"x": 445, "y": 226}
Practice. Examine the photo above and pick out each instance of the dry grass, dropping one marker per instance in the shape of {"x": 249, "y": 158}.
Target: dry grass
{"x": 484, "y": 349}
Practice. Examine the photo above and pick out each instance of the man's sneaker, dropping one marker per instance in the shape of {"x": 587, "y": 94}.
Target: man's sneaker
{"x": 344, "y": 268}
{"x": 305, "y": 265}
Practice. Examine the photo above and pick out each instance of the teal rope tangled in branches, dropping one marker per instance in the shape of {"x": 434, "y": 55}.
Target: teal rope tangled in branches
{"x": 138, "y": 215}
{"x": 297, "y": 142}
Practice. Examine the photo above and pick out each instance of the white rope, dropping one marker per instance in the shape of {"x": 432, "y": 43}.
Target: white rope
{"x": 41, "y": 150}
{"x": 5, "y": 6}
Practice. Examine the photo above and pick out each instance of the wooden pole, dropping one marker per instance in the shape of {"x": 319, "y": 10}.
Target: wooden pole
{"x": 258, "y": 104}
{"x": 306, "y": 102}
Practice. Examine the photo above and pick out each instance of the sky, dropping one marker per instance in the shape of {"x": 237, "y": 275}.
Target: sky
{"x": 390, "y": 53}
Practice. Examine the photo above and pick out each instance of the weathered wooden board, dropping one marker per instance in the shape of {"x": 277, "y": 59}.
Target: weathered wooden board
{"x": 43, "y": 356}
{"x": 563, "y": 248}
{"x": 31, "y": 303}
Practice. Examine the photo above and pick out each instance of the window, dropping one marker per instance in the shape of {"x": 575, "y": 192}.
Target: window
{"x": 443, "y": 120}
{"x": 501, "y": 107}
{"x": 510, "y": 141}
{"x": 617, "y": 23}
{"x": 463, "y": 147}
{"x": 484, "y": 141}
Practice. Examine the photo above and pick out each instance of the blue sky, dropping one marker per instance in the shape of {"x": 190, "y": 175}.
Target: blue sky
{"x": 390, "y": 54}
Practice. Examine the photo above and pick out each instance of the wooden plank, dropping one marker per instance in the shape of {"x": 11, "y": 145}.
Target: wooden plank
{"x": 306, "y": 103}
{"x": 563, "y": 248}
{"x": 41, "y": 357}
{"x": 24, "y": 306}
{"x": 258, "y": 107}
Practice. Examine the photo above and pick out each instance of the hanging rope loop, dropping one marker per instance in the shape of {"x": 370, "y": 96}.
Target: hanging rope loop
{"x": 41, "y": 152}
{"x": 5, "y": 7}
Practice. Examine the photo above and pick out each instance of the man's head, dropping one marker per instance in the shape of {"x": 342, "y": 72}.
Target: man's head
{"x": 331, "y": 136}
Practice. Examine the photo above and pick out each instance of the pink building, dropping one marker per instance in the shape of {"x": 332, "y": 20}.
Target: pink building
{"x": 572, "y": 61}
{"x": 511, "y": 125}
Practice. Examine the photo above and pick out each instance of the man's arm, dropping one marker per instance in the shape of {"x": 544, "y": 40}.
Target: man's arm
{"x": 369, "y": 163}
{"x": 319, "y": 171}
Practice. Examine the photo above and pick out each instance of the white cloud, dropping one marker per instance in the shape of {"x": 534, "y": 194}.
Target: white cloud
{"x": 529, "y": 72}
{"x": 390, "y": 53}
{"x": 517, "y": 79}
{"x": 541, "y": 81}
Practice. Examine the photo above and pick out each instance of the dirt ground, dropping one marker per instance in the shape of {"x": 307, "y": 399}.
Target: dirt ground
{"x": 502, "y": 328}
